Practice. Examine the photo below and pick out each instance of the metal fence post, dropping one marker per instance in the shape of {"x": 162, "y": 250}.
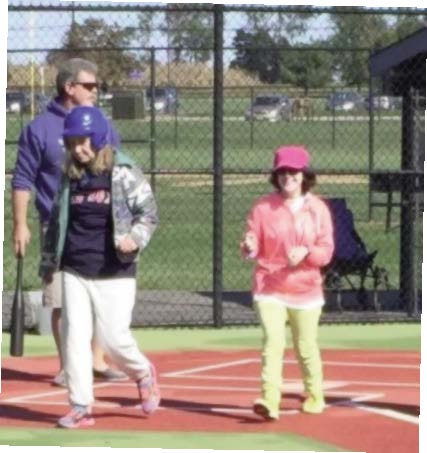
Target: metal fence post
{"x": 252, "y": 118}
{"x": 333, "y": 120}
{"x": 415, "y": 186}
{"x": 371, "y": 144}
{"x": 407, "y": 228}
{"x": 21, "y": 118}
{"x": 153, "y": 118}
{"x": 218, "y": 93}
{"x": 175, "y": 134}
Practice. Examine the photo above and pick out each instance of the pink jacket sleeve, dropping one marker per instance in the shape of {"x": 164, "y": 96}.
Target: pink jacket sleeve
{"x": 320, "y": 254}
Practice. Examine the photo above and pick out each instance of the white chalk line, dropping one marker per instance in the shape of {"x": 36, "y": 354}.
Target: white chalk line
{"x": 352, "y": 397}
{"x": 257, "y": 379}
{"x": 32, "y": 396}
{"x": 188, "y": 371}
{"x": 208, "y": 367}
{"x": 390, "y": 413}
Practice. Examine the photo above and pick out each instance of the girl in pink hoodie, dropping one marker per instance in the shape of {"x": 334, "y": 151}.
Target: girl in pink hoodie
{"x": 289, "y": 235}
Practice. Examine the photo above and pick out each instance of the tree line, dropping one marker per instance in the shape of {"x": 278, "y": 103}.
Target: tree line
{"x": 272, "y": 47}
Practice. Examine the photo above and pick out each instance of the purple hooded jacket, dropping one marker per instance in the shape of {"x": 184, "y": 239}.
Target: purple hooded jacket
{"x": 41, "y": 155}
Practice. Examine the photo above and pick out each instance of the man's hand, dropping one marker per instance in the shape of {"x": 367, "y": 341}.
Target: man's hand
{"x": 296, "y": 255}
{"x": 21, "y": 238}
{"x": 127, "y": 245}
{"x": 47, "y": 279}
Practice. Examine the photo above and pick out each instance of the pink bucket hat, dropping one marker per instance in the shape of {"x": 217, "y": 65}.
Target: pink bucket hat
{"x": 291, "y": 156}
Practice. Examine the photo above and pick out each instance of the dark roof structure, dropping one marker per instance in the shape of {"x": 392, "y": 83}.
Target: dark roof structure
{"x": 402, "y": 65}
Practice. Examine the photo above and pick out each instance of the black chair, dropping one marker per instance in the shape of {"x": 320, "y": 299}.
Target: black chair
{"x": 351, "y": 259}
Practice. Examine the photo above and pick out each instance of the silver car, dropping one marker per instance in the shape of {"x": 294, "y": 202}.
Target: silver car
{"x": 344, "y": 101}
{"x": 16, "y": 102}
{"x": 270, "y": 107}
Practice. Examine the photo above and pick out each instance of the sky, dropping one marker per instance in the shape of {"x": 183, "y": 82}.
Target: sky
{"x": 46, "y": 30}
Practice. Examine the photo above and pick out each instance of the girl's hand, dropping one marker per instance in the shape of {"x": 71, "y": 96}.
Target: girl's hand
{"x": 249, "y": 243}
{"x": 127, "y": 245}
{"x": 297, "y": 255}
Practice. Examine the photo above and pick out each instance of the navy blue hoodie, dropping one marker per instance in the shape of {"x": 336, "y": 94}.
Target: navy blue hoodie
{"x": 41, "y": 155}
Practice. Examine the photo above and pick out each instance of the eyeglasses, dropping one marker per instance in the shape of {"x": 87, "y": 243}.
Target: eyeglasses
{"x": 88, "y": 85}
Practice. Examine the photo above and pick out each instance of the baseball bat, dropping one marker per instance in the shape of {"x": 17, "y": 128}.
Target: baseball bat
{"x": 18, "y": 314}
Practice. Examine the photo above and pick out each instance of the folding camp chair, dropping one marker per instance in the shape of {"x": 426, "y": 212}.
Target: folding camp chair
{"x": 351, "y": 259}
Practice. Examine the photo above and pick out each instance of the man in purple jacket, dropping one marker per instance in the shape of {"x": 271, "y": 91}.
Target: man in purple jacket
{"x": 38, "y": 167}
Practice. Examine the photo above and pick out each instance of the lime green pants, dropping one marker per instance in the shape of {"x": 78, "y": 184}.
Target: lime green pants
{"x": 304, "y": 328}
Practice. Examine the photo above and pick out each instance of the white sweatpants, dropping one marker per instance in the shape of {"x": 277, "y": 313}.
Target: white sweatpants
{"x": 106, "y": 305}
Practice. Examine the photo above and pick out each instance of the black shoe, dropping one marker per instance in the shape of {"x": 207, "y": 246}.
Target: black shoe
{"x": 110, "y": 375}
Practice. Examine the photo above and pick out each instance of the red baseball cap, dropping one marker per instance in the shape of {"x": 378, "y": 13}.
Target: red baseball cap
{"x": 291, "y": 156}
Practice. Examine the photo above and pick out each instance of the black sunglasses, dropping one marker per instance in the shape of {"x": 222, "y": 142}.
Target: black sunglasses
{"x": 289, "y": 171}
{"x": 88, "y": 85}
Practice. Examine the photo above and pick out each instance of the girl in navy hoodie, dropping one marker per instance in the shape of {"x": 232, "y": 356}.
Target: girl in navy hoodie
{"x": 104, "y": 216}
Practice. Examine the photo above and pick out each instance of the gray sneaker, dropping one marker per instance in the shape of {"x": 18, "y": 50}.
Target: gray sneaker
{"x": 78, "y": 417}
{"x": 110, "y": 375}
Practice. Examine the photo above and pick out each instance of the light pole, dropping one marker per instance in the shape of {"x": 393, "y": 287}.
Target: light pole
{"x": 31, "y": 35}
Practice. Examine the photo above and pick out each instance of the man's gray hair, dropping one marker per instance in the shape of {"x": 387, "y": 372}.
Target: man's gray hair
{"x": 69, "y": 70}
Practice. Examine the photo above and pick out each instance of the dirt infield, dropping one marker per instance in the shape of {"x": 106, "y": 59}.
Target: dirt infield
{"x": 372, "y": 397}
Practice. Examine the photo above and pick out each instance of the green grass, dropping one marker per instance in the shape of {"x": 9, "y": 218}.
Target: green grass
{"x": 187, "y": 145}
{"x": 350, "y": 336}
{"x": 170, "y": 440}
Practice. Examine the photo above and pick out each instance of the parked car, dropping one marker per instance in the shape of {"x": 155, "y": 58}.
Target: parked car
{"x": 379, "y": 102}
{"x": 165, "y": 99}
{"x": 16, "y": 102}
{"x": 270, "y": 107}
{"x": 384, "y": 103}
{"x": 105, "y": 99}
{"x": 20, "y": 102}
{"x": 344, "y": 101}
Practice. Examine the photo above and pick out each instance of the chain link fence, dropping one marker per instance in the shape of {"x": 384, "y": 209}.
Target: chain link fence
{"x": 201, "y": 96}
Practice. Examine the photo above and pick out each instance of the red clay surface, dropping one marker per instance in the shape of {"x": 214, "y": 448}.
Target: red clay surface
{"x": 372, "y": 397}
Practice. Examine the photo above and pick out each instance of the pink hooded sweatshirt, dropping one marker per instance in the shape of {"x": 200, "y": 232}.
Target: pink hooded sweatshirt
{"x": 278, "y": 229}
